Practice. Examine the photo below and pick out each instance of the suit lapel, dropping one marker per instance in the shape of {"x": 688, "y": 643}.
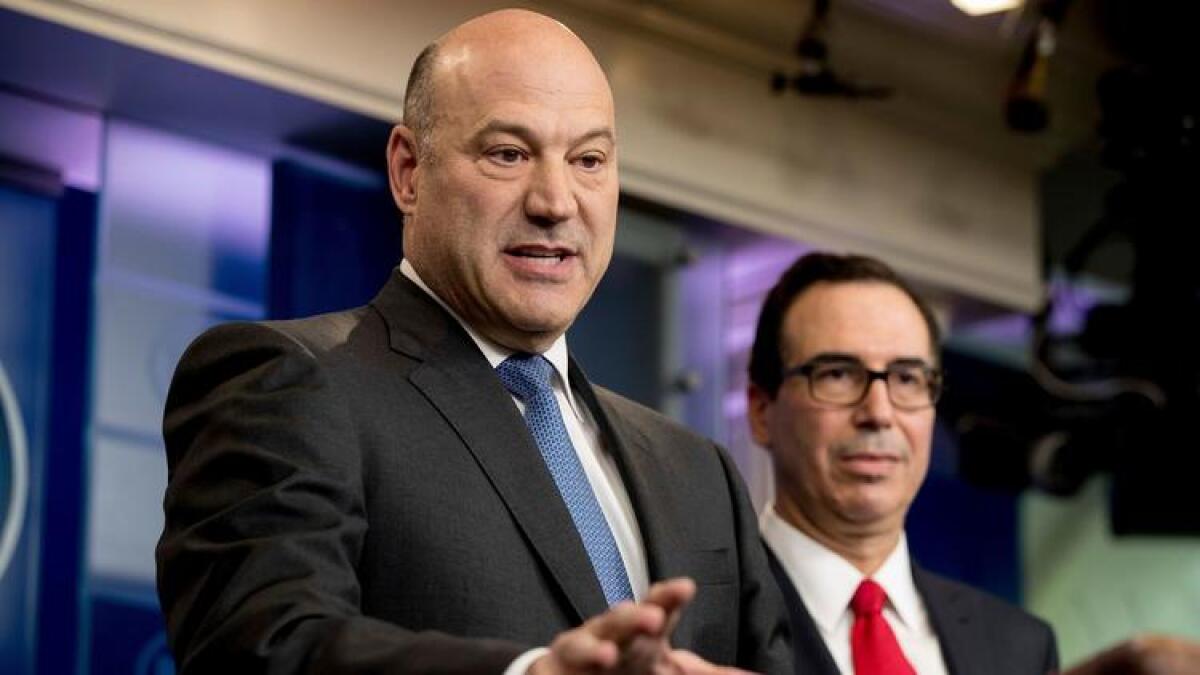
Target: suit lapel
{"x": 457, "y": 380}
{"x": 809, "y": 651}
{"x": 645, "y": 481}
{"x": 951, "y": 617}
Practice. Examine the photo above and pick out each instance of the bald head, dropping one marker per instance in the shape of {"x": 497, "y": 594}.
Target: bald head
{"x": 508, "y": 25}
{"x": 501, "y": 43}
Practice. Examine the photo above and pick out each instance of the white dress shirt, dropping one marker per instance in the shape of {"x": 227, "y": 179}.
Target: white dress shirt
{"x": 598, "y": 463}
{"x": 827, "y": 582}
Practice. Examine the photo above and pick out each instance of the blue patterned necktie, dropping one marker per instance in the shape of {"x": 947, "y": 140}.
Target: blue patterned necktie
{"x": 527, "y": 377}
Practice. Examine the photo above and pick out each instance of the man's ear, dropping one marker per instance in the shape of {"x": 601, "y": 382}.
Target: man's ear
{"x": 759, "y": 406}
{"x": 402, "y": 168}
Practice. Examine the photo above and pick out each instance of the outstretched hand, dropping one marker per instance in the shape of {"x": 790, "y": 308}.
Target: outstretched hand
{"x": 630, "y": 638}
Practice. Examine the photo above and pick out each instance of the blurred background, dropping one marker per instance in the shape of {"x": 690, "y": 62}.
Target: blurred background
{"x": 166, "y": 165}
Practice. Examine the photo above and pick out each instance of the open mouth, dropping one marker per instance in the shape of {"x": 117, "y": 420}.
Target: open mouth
{"x": 540, "y": 254}
{"x": 541, "y": 257}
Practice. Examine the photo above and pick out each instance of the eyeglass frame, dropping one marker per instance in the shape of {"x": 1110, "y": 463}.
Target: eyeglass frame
{"x": 934, "y": 375}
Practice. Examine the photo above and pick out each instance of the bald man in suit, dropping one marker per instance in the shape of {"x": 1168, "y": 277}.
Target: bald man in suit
{"x": 430, "y": 483}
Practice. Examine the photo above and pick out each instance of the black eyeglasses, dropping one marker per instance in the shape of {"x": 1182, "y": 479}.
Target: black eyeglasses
{"x": 844, "y": 381}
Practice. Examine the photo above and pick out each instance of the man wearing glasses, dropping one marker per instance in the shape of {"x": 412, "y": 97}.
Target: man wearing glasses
{"x": 844, "y": 377}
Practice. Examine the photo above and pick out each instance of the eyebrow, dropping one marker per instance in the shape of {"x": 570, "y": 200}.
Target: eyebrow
{"x": 911, "y": 361}
{"x": 825, "y": 357}
{"x": 528, "y": 135}
{"x": 840, "y": 357}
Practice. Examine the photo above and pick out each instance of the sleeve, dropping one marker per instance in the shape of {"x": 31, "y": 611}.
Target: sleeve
{"x": 764, "y": 642}
{"x": 265, "y": 521}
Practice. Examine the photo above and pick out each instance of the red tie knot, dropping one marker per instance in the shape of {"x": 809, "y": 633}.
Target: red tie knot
{"x": 868, "y": 599}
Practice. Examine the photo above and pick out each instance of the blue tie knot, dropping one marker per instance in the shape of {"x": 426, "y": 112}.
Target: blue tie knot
{"x": 526, "y": 375}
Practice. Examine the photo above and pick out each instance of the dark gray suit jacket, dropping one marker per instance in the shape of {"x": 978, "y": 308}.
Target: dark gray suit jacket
{"x": 978, "y": 634}
{"x": 357, "y": 493}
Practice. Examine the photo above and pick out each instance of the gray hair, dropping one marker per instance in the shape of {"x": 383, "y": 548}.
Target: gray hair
{"x": 419, "y": 114}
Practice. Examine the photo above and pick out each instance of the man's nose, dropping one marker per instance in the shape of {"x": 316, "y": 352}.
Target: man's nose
{"x": 550, "y": 199}
{"x": 875, "y": 411}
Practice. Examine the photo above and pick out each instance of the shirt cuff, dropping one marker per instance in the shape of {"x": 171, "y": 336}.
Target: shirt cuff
{"x": 522, "y": 663}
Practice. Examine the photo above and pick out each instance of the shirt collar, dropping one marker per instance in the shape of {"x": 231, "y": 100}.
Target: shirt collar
{"x": 495, "y": 353}
{"x": 826, "y": 581}
{"x": 895, "y": 576}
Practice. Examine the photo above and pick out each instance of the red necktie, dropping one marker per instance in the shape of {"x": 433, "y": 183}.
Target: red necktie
{"x": 873, "y": 645}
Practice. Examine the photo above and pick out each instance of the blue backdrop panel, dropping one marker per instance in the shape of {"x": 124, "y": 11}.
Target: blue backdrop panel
{"x": 334, "y": 240}
{"x": 60, "y": 596}
{"x": 127, "y": 637}
{"x": 27, "y": 224}
{"x": 617, "y": 337}
{"x": 963, "y": 531}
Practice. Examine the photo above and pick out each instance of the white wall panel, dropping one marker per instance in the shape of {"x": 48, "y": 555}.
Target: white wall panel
{"x": 125, "y": 515}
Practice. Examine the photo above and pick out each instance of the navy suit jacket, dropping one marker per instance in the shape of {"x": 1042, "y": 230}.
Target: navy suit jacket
{"x": 979, "y": 634}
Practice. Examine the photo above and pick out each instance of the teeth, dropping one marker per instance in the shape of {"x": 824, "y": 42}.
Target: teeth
{"x": 556, "y": 257}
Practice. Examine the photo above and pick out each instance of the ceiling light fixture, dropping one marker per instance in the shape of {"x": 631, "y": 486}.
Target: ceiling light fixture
{"x": 979, "y": 7}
